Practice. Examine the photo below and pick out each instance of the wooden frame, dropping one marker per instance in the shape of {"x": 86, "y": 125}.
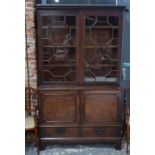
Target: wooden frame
{"x": 79, "y": 14}
{"x": 58, "y": 94}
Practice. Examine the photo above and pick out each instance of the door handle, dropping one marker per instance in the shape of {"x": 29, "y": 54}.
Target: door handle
{"x": 60, "y": 130}
{"x": 99, "y": 131}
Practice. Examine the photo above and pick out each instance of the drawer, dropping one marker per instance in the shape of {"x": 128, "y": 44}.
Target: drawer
{"x": 59, "y": 132}
{"x": 106, "y": 131}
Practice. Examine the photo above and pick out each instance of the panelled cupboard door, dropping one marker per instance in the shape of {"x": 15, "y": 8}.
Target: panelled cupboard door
{"x": 101, "y": 106}
{"x": 59, "y": 107}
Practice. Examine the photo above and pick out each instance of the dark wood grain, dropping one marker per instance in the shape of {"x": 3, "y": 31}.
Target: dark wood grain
{"x": 59, "y": 132}
{"x": 100, "y": 131}
{"x": 59, "y": 107}
{"x": 100, "y": 107}
{"x": 73, "y": 110}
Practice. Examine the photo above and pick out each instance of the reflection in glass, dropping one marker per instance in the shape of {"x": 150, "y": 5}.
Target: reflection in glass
{"x": 59, "y": 48}
{"x": 101, "y": 49}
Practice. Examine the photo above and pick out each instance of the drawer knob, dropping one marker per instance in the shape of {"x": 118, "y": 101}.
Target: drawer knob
{"x": 99, "y": 131}
{"x": 60, "y": 130}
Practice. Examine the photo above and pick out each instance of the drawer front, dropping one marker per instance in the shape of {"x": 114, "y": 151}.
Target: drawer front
{"x": 108, "y": 131}
{"x": 59, "y": 132}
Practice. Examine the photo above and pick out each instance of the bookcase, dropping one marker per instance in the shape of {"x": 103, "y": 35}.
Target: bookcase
{"x": 79, "y": 57}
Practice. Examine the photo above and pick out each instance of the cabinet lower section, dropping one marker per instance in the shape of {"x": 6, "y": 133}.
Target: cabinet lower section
{"x": 98, "y": 132}
{"x": 46, "y": 141}
{"x": 80, "y": 116}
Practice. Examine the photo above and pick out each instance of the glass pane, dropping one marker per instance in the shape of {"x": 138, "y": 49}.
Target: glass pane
{"x": 58, "y": 30}
{"x": 59, "y": 48}
{"x": 101, "y": 49}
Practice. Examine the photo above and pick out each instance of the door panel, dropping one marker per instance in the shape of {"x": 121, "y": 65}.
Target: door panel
{"x": 57, "y": 43}
{"x": 101, "y": 45}
{"x": 100, "y": 107}
{"x": 59, "y": 107}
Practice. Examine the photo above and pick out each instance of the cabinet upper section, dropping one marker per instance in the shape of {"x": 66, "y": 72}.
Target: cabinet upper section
{"x": 79, "y": 46}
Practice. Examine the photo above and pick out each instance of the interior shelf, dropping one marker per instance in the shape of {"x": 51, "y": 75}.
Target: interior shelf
{"x": 101, "y": 27}
{"x": 64, "y": 65}
{"x": 55, "y": 27}
{"x": 101, "y": 65}
{"x": 60, "y": 46}
{"x": 101, "y": 46}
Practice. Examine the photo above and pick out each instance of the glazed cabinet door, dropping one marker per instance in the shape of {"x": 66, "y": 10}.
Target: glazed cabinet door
{"x": 101, "y": 46}
{"x": 59, "y": 107}
{"x": 100, "y": 107}
{"x": 57, "y": 45}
